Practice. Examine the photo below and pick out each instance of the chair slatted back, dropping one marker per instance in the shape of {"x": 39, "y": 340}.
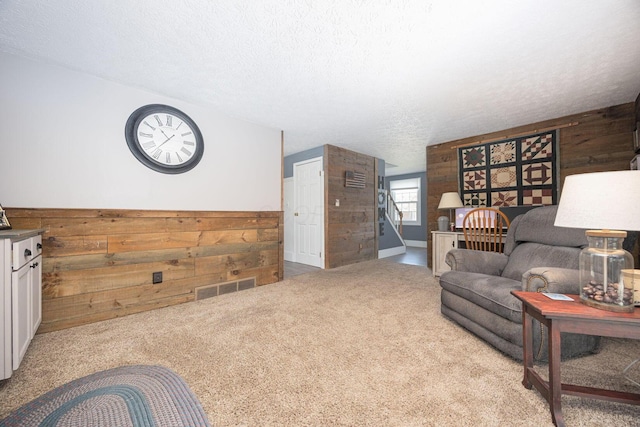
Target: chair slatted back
{"x": 484, "y": 229}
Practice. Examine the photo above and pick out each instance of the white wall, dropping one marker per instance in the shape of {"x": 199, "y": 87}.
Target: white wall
{"x": 62, "y": 145}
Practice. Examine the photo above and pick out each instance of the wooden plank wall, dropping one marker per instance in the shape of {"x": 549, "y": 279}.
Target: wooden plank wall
{"x": 601, "y": 141}
{"x": 350, "y": 234}
{"x": 98, "y": 264}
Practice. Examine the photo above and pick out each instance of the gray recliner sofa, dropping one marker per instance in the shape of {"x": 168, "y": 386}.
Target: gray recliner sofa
{"x": 538, "y": 257}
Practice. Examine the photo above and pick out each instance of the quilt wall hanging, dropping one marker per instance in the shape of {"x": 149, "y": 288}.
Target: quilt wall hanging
{"x": 512, "y": 172}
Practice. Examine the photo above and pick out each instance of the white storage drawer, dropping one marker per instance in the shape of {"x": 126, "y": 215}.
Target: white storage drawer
{"x": 23, "y": 252}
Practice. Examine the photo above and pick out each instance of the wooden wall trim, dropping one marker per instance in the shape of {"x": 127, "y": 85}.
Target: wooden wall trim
{"x": 281, "y": 222}
{"x": 325, "y": 168}
{"x": 131, "y": 213}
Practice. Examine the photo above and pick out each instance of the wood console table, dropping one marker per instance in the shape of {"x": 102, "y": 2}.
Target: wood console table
{"x": 570, "y": 316}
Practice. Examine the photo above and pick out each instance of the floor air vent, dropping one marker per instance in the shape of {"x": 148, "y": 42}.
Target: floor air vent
{"x": 209, "y": 291}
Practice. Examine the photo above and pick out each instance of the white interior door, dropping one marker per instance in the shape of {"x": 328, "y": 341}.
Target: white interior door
{"x": 289, "y": 225}
{"x": 308, "y": 216}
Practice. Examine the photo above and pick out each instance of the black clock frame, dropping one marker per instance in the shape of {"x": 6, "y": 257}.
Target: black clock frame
{"x": 132, "y": 139}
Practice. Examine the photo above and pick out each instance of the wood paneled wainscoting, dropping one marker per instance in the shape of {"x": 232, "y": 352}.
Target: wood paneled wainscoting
{"x": 98, "y": 264}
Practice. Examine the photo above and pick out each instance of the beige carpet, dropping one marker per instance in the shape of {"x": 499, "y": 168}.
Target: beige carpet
{"x": 358, "y": 345}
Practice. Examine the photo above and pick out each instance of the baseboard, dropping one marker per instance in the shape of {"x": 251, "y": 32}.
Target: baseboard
{"x": 289, "y": 256}
{"x": 416, "y": 243}
{"x": 385, "y": 253}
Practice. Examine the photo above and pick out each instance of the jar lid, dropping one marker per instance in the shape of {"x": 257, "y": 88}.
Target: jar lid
{"x": 606, "y": 233}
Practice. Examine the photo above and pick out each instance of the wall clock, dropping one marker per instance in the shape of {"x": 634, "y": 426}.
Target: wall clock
{"x": 164, "y": 139}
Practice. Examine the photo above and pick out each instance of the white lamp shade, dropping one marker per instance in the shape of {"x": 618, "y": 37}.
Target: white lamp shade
{"x": 600, "y": 200}
{"x": 450, "y": 201}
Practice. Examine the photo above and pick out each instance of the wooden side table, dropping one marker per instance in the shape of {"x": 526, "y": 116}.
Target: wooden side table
{"x": 575, "y": 317}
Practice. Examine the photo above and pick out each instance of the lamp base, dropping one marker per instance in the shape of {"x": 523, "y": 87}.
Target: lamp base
{"x": 607, "y": 307}
{"x": 603, "y": 285}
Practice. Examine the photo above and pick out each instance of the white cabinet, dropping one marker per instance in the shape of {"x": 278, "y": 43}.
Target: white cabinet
{"x": 443, "y": 242}
{"x": 20, "y": 316}
{"x": 21, "y": 291}
{"x": 36, "y": 294}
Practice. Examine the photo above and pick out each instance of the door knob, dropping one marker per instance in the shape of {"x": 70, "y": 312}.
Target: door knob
{"x": 27, "y": 252}
{"x": 295, "y": 214}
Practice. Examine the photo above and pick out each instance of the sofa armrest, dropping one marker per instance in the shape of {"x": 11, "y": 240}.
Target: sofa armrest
{"x": 551, "y": 279}
{"x": 490, "y": 263}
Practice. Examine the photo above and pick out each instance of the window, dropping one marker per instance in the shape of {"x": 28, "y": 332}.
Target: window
{"x": 406, "y": 194}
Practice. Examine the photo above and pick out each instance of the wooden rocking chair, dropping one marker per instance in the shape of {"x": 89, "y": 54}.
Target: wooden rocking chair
{"x": 484, "y": 229}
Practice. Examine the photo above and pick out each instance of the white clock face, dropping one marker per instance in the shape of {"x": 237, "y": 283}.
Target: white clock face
{"x": 166, "y": 139}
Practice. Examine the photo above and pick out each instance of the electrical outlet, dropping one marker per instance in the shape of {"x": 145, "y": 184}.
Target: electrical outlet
{"x": 157, "y": 277}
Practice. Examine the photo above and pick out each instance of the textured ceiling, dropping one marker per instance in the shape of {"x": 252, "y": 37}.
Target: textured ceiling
{"x": 381, "y": 77}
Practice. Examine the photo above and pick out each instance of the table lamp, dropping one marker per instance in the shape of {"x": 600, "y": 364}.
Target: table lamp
{"x": 607, "y": 204}
{"x": 448, "y": 201}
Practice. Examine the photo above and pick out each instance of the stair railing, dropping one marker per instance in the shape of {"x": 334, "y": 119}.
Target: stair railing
{"x": 398, "y": 223}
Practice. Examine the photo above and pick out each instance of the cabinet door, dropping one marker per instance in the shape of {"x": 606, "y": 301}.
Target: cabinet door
{"x": 36, "y": 295}
{"x": 442, "y": 243}
{"x": 21, "y": 312}
{"x": 6, "y": 362}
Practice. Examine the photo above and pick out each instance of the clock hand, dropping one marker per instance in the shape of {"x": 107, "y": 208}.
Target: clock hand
{"x": 168, "y": 139}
